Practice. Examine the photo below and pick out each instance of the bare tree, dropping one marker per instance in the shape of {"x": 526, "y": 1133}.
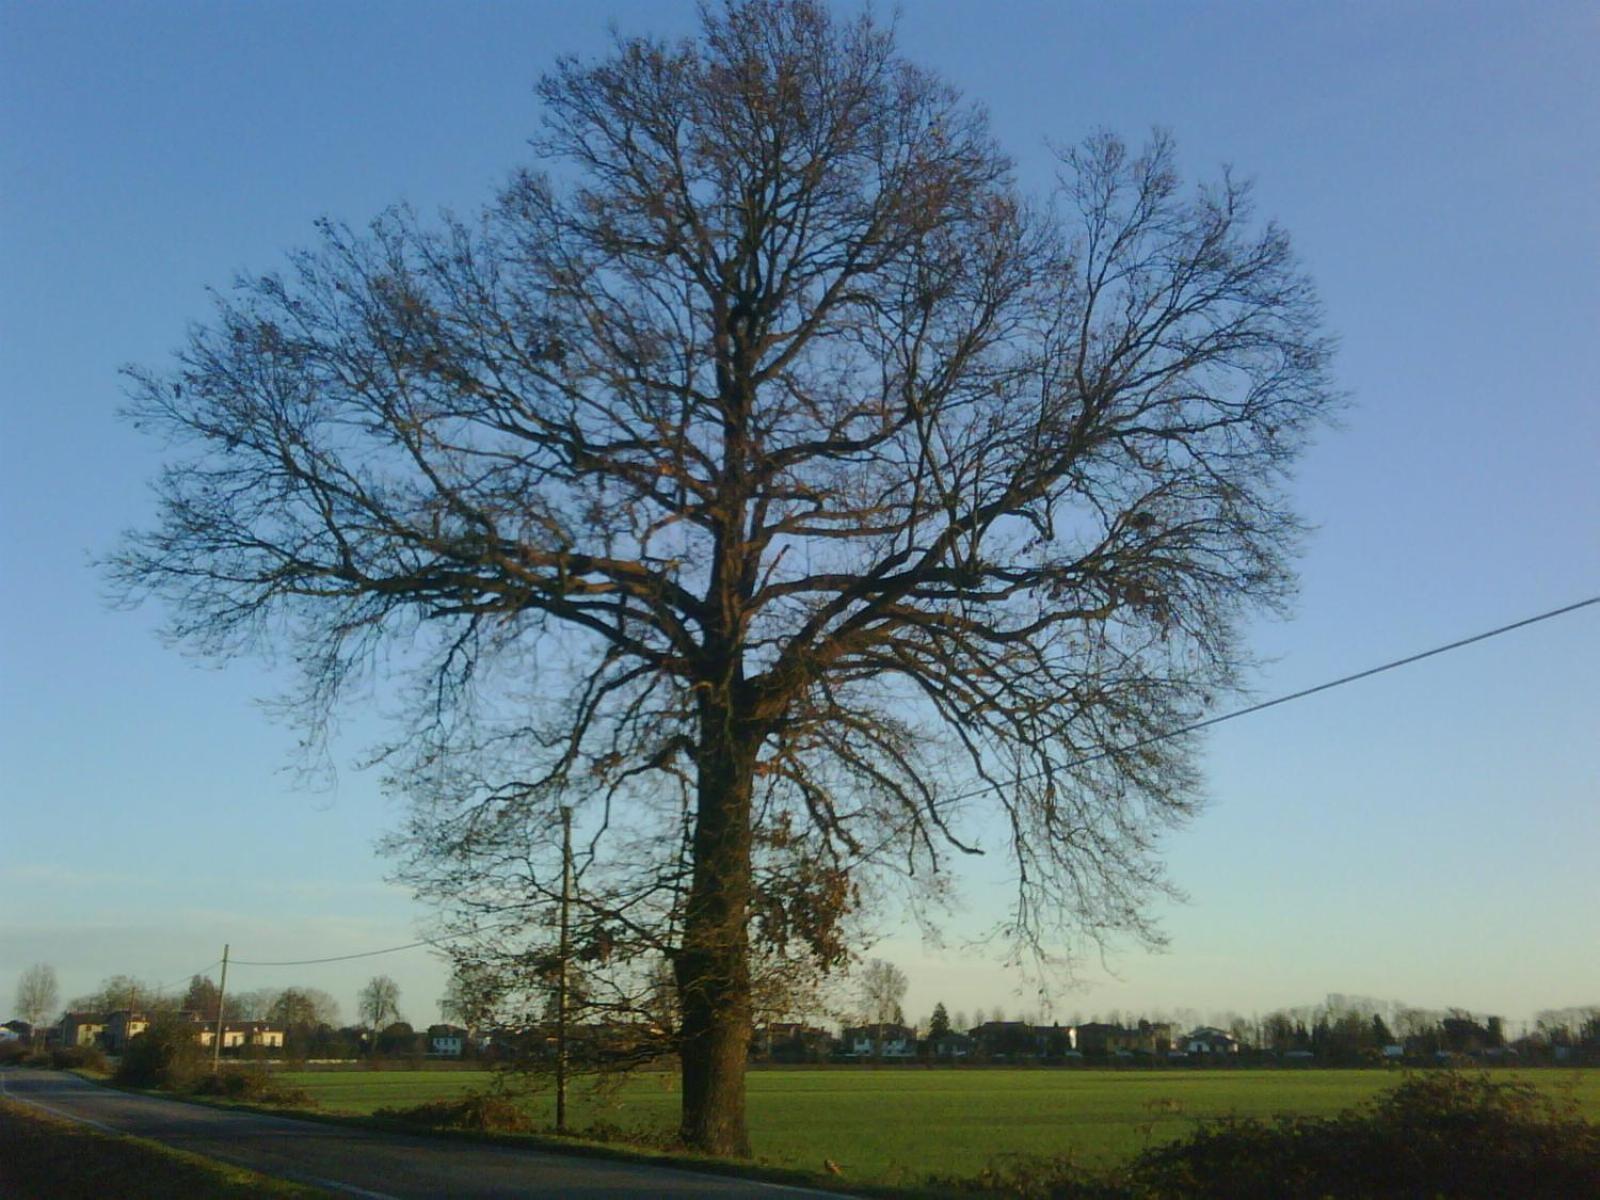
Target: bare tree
{"x": 378, "y": 1003}
{"x": 252, "y": 1004}
{"x": 881, "y": 990}
{"x": 472, "y": 994}
{"x": 303, "y": 1008}
{"x": 780, "y": 489}
{"x": 38, "y": 994}
{"x": 120, "y": 991}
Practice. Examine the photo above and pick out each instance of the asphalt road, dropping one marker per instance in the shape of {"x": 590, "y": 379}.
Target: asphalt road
{"x": 379, "y": 1166}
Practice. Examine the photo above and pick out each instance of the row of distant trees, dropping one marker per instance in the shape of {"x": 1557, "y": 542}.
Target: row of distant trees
{"x": 1343, "y": 1030}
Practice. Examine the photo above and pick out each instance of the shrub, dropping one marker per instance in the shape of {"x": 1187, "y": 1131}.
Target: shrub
{"x": 166, "y": 1055}
{"x": 488, "y": 1114}
{"x": 1445, "y": 1134}
{"x": 256, "y": 1086}
{"x": 1440, "y": 1135}
{"x": 78, "y": 1058}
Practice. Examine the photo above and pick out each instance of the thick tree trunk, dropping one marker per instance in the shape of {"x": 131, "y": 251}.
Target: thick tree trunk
{"x": 713, "y": 966}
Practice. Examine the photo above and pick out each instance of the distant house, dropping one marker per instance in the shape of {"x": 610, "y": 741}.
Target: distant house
{"x": 1005, "y": 1039}
{"x": 880, "y": 1041}
{"x": 790, "y": 1041}
{"x": 236, "y": 1035}
{"x": 1211, "y": 1042}
{"x": 122, "y": 1026}
{"x": 951, "y": 1046}
{"x": 1098, "y": 1040}
{"x": 81, "y": 1028}
{"x": 446, "y": 1041}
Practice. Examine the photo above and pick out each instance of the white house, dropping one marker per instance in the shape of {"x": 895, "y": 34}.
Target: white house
{"x": 446, "y": 1041}
{"x": 880, "y": 1041}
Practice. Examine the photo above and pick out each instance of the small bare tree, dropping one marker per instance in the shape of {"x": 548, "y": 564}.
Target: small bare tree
{"x": 38, "y": 994}
{"x": 882, "y": 989}
{"x": 780, "y": 490}
{"x": 379, "y": 1003}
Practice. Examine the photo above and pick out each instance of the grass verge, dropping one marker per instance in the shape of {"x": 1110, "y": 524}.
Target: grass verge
{"x": 48, "y": 1158}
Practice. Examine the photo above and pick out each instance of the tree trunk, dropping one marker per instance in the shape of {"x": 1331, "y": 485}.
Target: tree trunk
{"x": 713, "y": 966}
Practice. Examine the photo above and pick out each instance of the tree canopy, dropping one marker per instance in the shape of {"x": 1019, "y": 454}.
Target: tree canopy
{"x": 768, "y": 479}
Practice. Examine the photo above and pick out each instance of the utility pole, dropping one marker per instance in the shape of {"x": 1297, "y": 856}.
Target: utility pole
{"x": 222, "y": 995}
{"x": 561, "y": 981}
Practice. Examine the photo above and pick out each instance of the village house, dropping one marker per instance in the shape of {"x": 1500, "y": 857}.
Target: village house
{"x": 1099, "y": 1040}
{"x": 790, "y": 1041}
{"x": 887, "y": 1040}
{"x": 951, "y": 1046}
{"x": 447, "y": 1041}
{"x": 81, "y": 1028}
{"x": 1211, "y": 1042}
{"x": 238, "y": 1035}
{"x": 122, "y": 1026}
{"x": 1005, "y": 1040}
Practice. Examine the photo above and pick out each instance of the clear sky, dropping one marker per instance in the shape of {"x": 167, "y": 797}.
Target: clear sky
{"x": 1431, "y": 836}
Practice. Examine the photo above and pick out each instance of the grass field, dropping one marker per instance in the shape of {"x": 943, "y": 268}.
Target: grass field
{"x": 904, "y": 1124}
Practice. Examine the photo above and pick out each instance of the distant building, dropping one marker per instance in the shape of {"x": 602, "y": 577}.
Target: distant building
{"x": 1004, "y": 1039}
{"x": 1097, "y": 1039}
{"x": 790, "y": 1041}
{"x": 81, "y": 1028}
{"x": 951, "y": 1046}
{"x": 122, "y": 1026}
{"x": 447, "y": 1041}
{"x": 1211, "y": 1042}
{"x": 244, "y": 1035}
{"x": 880, "y": 1041}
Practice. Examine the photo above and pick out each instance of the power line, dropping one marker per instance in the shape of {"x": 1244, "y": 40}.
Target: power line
{"x": 1193, "y": 727}
{"x": 1300, "y": 695}
{"x": 306, "y": 962}
{"x": 161, "y": 987}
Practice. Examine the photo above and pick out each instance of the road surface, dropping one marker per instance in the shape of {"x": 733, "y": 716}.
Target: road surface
{"x": 379, "y": 1166}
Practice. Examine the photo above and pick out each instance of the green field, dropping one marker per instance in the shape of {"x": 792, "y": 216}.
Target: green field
{"x": 904, "y": 1124}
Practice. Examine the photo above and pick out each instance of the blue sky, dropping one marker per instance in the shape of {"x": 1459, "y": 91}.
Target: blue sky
{"x": 1430, "y": 835}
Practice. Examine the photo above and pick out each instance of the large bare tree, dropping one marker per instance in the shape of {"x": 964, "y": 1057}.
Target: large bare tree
{"x": 770, "y": 481}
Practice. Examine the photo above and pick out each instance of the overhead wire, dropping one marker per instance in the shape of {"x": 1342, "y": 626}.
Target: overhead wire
{"x": 1246, "y": 711}
{"x": 185, "y": 978}
{"x": 306, "y": 962}
{"x": 1192, "y": 727}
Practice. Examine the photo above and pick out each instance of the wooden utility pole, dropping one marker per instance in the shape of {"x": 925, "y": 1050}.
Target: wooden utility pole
{"x": 565, "y": 956}
{"x": 222, "y": 996}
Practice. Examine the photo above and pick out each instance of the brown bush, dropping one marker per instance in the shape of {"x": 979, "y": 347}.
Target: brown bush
{"x": 1461, "y": 1136}
{"x": 487, "y": 1114}
{"x": 255, "y": 1086}
{"x": 79, "y": 1058}
{"x": 166, "y": 1055}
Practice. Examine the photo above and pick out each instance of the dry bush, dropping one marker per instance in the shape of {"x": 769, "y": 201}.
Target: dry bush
{"x": 484, "y": 1114}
